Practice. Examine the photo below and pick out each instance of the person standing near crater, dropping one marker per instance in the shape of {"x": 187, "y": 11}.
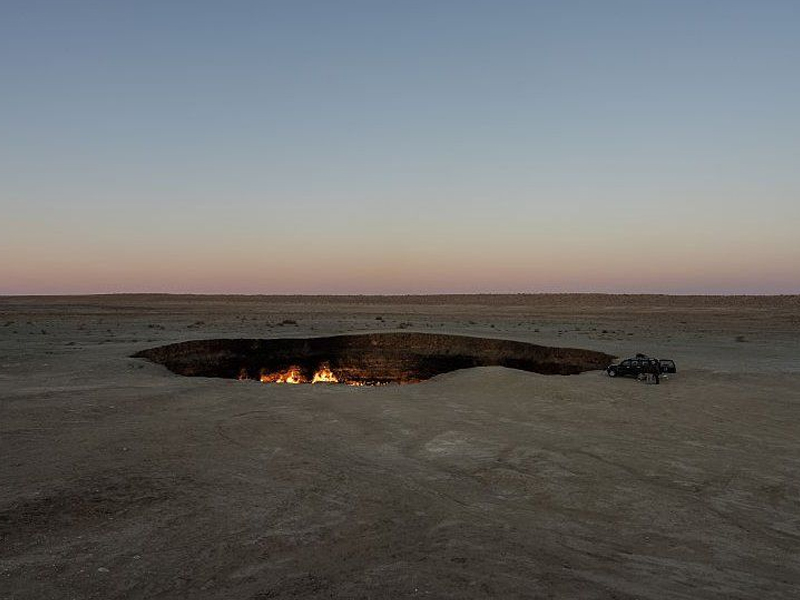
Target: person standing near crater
{"x": 654, "y": 371}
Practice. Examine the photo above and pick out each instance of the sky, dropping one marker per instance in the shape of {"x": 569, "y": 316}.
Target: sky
{"x": 399, "y": 146}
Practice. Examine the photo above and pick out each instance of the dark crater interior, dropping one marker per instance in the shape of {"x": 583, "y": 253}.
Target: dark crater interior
{"x": 367, "y": 359}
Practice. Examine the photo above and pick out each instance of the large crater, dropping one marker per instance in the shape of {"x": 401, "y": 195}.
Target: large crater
{"x": 365, "y": 359}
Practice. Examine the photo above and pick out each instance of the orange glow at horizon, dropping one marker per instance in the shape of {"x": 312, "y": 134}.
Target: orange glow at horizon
{"x": 647, "y": 261}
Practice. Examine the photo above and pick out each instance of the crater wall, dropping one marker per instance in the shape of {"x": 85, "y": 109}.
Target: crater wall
{"x": 369, "y": 358}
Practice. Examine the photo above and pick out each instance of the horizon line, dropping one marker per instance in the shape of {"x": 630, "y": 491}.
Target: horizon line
{"x": 406, "y": 295}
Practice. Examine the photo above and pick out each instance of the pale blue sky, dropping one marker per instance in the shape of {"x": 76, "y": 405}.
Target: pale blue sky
{"x": 412, "y": 146}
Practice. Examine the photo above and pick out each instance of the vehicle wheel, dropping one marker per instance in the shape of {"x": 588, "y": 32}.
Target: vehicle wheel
{"x": 612, "y": 372}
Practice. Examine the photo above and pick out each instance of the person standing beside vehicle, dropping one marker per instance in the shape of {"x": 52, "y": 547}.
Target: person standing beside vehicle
{"x": 655, "y": 369}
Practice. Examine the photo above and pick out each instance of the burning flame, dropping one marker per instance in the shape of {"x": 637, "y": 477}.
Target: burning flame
{"x": 295, "y": 375}
{"x": 324, "y": 375}
{"x": 290, "y": 375}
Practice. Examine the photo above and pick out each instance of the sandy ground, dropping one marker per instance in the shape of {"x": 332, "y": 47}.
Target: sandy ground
{"x": 119, "y": 479}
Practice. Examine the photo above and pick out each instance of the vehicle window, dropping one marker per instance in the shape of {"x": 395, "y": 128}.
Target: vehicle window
{"x": 625, "y": 363}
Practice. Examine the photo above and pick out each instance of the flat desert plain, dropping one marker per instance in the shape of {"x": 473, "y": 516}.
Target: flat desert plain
{"x": 120, "y": 479}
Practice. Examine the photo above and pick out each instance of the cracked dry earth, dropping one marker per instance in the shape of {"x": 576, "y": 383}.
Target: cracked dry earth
{"x": 121, "y": 479}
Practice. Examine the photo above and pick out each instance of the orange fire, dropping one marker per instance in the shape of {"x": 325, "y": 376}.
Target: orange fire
{"x": 324, "y": 375}
{"x": 295, "y": 375}
{"x": 290, "y": 375}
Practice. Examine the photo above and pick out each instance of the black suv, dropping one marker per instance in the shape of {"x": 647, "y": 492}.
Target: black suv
{"x": 633, "y": 367}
